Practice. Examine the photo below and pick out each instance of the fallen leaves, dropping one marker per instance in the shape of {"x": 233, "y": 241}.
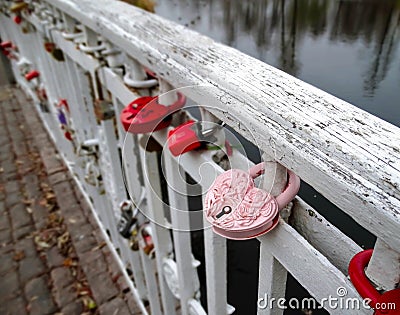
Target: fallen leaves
{"x": 89, "y": 303}
{"x": 41, "y": 244}
{"x": 19, "y": 255}
{"x": 70, "y": 262}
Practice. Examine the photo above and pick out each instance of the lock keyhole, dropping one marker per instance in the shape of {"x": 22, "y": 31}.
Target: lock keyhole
{"x": 225, "y": 210}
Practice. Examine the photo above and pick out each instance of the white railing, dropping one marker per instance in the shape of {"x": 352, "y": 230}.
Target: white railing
{"x": 349, "y": 156}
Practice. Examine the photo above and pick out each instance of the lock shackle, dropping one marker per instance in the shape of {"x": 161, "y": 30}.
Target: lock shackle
{"x": 139, "y": 84}
{"x": 289, "y": 192}
{"x": 360, "y": 281}
{"x": 210, "y": 131}
{"x": 178, "y": 104}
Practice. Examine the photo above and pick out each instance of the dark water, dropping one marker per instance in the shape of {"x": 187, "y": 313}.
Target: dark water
{"x": 347, "y": 48}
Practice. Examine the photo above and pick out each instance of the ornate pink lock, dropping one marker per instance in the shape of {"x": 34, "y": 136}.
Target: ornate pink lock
{"x": 238, "y": 210}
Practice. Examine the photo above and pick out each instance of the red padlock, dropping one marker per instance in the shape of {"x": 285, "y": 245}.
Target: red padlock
{"x": 387, "y": 303}
{"x": 32, "y": 75}
{"x": 17, "y": 19}
{"x": 63, "y": 114}
{"x": 145, "y": 114}
{"x": 6, "y": 48}
{"x": 6, "y": 44}
{"x": 49, "y": 47}
{"x": 189, "y": 137}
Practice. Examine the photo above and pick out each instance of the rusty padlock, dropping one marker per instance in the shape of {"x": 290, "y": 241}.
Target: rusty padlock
{"x": 190, "y": 136}
{"x": 55, "y": 52}
{"x": 238, "y": 210}
{"x": 379, "y": 302}
{"x": 145, "y": 114}
{"x": 18, "y": 6}
{"x": 104, "y": 110}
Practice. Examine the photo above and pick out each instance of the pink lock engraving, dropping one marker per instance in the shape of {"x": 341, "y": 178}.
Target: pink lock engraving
{"x": 239, "y": 210}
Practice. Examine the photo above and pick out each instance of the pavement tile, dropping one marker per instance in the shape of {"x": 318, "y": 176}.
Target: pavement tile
{"x": 36, "y": 280}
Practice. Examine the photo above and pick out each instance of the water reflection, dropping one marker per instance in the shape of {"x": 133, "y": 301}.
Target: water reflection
{"x": 315, "y": 40}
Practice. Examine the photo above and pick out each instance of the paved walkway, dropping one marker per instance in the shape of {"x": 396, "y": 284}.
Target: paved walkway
{"x": 53, "y": 259}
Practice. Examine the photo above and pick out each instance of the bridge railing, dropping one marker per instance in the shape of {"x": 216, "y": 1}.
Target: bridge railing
{"x": 349, "y": 156}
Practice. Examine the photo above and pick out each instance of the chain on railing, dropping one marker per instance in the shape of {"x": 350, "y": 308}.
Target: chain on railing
{"x": 105, "y": 91}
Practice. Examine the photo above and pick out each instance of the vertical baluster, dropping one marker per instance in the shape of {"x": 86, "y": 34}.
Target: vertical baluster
{"x": 181, "y": 227}
{"x": 384, "y": 266}
{"x": 215, "y": 260}
{"x": 214, "y": 245}
{"x": 177, "y": 194}
{"x": 131, "y": 180}
{"x": 272, "y": 276}
{"x": 161, "y": 235}
{"x": 152, "y": 286}
{"x": 51, "y": 83}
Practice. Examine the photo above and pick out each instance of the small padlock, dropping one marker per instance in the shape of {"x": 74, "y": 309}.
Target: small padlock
{"x": 42, "y": 97}
{"x": 127, "y": 220}
{"x": 62, "y": 115}
{"x": 379, "y": 302}
{"x": 17, "y": 7}
{"x": 238, "y": 210}
{"x": 17, "y": 19}
{"x": 189, "y": 137}
{"x": 146, "y": 240}
{"x": 33, "y": 74}
{"x": 55, "y": 52}
{"x": 103, "y": 110}
{"x": 145, "y": 114}
{"x": 6, "y": 45}
{"x": 92, "y": 173}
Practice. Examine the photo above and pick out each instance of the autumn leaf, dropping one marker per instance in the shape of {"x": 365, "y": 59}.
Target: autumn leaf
{"x": 69, "y": 262}
{"x": 40, "y": 243}
{"x": 19, "y": 255}
{"x": 89, "y": 303}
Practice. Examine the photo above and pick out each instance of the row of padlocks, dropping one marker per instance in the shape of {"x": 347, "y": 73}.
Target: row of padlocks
{"x": 233, "y": 205}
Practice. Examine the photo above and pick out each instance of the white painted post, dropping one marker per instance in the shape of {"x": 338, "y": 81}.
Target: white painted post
{"x": 272, "y": 276}
{"x": 384, "y": 266}
{"x": 181, "y": 226}
{"x": 161, "y": 235}
{"x": 214, "y": 245}
{"x": 216, "y": 277}
{"x": 180, "y": 216}
{"x": 151, "y": 284}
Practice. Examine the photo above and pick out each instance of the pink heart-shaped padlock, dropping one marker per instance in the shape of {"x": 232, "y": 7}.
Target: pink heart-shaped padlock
{"x": 239, "y": 210}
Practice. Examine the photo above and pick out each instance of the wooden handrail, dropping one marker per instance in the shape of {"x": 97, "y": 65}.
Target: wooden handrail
{"x": 348, "y": 155}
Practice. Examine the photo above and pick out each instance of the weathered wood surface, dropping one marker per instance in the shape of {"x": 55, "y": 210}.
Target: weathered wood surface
{"x": 348, "y": 155}
{"x": 313, "y": 270}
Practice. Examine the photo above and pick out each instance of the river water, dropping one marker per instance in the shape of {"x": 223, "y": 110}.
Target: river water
{"x": 347, "y": 48}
